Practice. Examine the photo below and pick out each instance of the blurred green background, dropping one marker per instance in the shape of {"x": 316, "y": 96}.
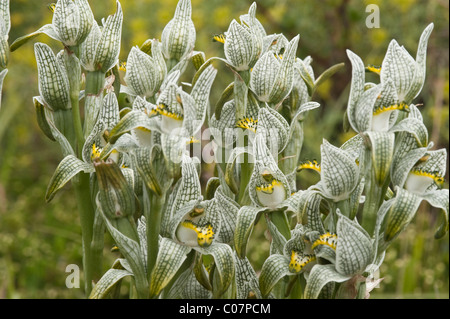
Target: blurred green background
{"x": 38, "y": 240}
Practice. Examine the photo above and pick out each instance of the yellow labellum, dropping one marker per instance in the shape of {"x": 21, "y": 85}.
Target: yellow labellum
{"x": 374, "y": 69}
{"x": 298, "y": 261}
{"x": 162, "y": 109}
{"x": 268, "y": 188}
{"x": 219, "y": 38}
{"x": 313, "y": 165}
{"x": 438, "y": 179}
{"x": 51, "y": 7}
{"x": 96, "y": 151}
{"x": 123, "y": 66}
{"x": 327, "y": 239}
{"x": 401, "y": 107}
{"x": 247, "y": 123}
{"x": 205, "y": 234}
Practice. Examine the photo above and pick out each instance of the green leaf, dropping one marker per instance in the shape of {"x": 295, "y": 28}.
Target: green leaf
{"x": 246, "y": 218}
{"x": 382, "y": 150}
{"x": 230, "y": 171}
{"x": 107, "y": 282}
{"x": 66, "y": 170}
{"x": 225, "y": 96}
{"x": 274, "y": 268}
{"x": 339, "y": 172}
{"x": 320, "y": 276}
{"x": 66, "y": 148}
{"x": 246, "y": 279}
{"x": 440, "y": 199}
{"x": 327, "y": 74}
{"x": 41, "y": 118}
{"x": 353, "y": 248}
{"x": 170, "y": 258}
{"x": 131, "y": 250}
{"x": 403, "y": 209}
{"x": 224, "y": 265}
{"x": 304, "y": 73}
{"x": 48, "y": 29}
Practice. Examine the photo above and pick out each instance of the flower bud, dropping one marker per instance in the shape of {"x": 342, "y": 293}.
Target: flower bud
{"x": 53, "y": 81}
{"x": 144, "y": 74}
{"x": 243, "y": 42}
{"x": 72, "y": 21}
{"x": 100, "y": 51}
{"x": 115, "y": 194}
{"x": 5, "y": 26}
{"x": 272, "y": 76}
{"x": 178, "y": 37}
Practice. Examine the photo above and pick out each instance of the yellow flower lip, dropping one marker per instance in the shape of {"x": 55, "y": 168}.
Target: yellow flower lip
{"x": 326, "y": 239}
{"x": 123, "y": 66}
{"x": 312, "y": 165}
{"x": 205, "y": 233}
{"x": 374, "y": 68}
{"x": 162, "y": 109}
{"x": 269, "y": 187}
{"x": 381, "y": 109}
{"x": 299, "y": 261}
{"x": 96, "y": 151}
{"x": 435, "y": 176}
{"x": 219, "y": 38}
{"x": 51, "y": 7}
{"x": 248, "y": 123}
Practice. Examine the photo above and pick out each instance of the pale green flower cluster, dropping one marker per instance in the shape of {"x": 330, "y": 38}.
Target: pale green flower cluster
{"x": 131, "y": 135}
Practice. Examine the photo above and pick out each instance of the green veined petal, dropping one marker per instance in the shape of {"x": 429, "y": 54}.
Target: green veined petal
{"x": 274, "y": 268}
{"x": 67, "y": 168}
{"x": 170, "y": 258}
{"x": 320, "y": 276}
{"x": 107, "y": 282}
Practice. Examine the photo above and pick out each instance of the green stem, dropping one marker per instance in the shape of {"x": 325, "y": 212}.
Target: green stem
{"x": 153, "y": 229}
{"x": 344, "y": 207}
{"x": 246, "y": 173}
{"x": 279, "y": 219}
{"x": 78, "y": 126}
{"x": 296, "y": 286}
{"x": 361, "y": 294}
{"x": 95, "y": 82}
{"x": 371, "y": 205}
{"x": 86, "y": 211}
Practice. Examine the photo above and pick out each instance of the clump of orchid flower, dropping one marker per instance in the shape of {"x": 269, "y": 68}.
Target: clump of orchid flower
{"x": 136, "y": 177}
